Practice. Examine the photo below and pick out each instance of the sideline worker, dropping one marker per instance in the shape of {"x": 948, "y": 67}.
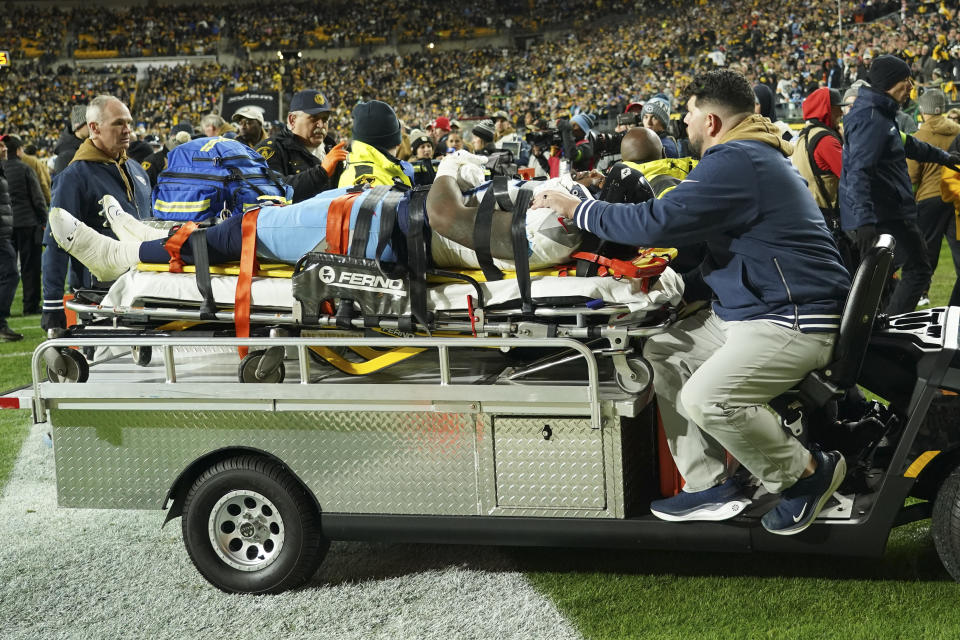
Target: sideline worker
{"x": 100, "y": 167}
{"x": 293, "y": 152}
{"x": 779, "y": 288}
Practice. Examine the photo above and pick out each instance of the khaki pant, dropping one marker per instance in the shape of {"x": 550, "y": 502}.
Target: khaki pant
{"x": 713, "y": 381}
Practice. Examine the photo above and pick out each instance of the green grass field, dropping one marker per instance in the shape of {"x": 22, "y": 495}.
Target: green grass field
{"x": 629, "y": 594}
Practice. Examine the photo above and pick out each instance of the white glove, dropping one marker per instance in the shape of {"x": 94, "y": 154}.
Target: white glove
{"x": 464, "y": 167}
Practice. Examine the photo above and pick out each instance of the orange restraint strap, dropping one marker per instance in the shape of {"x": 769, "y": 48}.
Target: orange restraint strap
{"x": 338, "y": 223}
{"x": 175, "y": 243}
{"x": 620, "y": 268}
{"x": 248, "y": 264}
{"x": 338, "y": 233}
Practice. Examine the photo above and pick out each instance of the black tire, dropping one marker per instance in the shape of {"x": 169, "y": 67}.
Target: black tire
{"x": 945, "y": 526}
{"x": 75, "y": 368}
{"x": 142, "y": 355}
{"x": 278, "y": 549}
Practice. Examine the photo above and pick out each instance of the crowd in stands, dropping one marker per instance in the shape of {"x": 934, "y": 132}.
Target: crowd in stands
{"x": 166, "y": 30}
{"x": 655, "y": 48}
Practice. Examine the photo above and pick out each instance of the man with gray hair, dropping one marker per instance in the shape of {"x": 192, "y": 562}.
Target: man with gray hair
{"x": 71, "y": 138}
{"x": 935, "y": 217}
{"x": 99, "y": 167}
{"x": 297, "y": 151}
{"x": 213, "y": 125}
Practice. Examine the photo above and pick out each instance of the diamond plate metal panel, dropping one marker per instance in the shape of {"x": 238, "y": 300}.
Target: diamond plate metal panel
{"x": 564, "y": 471}
{"x": 357, "y": 462}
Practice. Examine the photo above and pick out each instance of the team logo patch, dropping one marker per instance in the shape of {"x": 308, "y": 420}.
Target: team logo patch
{"x": 146, "y": 165}
{"x": 319, "y": 99}
{"x": 327, "y": 275}
{"x": 266, "y": 152}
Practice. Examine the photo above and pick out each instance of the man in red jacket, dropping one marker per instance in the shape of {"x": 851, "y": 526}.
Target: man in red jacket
{"x": 817, "y": 157}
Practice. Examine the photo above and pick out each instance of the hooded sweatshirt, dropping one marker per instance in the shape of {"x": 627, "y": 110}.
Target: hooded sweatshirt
{"x": 78, "y": 188}
{"x": 92, "y": 174}
{"x": 925, "y": 176}
{"x": 818, "y": 152}
{"x": 769, "y": 253}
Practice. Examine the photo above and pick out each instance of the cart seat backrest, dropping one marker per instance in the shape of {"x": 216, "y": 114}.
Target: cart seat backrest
{"x": 860, "y": 313}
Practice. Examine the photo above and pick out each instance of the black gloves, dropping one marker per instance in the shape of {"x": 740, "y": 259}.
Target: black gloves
{"x": 954, "y": 162}
{"x": 866, "y": 236}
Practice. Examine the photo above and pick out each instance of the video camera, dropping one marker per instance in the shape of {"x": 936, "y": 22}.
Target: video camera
{"x": 606, "y": 144}
{"x": 502, "y": 163}
{"x": 545, "y": 139}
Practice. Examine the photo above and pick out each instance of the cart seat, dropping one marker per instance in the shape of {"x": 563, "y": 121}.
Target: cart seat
{"x": 856, "y": 325}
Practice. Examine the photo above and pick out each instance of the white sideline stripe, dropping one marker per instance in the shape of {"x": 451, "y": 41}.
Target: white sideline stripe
{"x": 16, "y": 354}
{"x": 100, "y": 573}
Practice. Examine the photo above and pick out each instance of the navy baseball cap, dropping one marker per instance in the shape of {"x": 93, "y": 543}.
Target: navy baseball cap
{"x": 310, "y": 102}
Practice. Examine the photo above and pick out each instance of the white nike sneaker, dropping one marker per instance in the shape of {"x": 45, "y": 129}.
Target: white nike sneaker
{"x": 124, "y": 225}
{"x": 106, "y": 258}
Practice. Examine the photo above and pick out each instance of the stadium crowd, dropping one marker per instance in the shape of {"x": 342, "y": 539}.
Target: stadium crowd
{"x": 594, "y": 69}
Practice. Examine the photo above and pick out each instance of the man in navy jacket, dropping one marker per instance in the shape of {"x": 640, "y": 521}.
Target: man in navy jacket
{"x": 779, "y": 288}
{"x": 100, "y": 167}
{"x": 876, "y": 194}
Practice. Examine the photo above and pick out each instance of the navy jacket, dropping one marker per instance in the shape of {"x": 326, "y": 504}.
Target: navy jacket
{"x": 874, "y": 184}
{"x": 78, "y": 189}
{"x": 769, "y": 253}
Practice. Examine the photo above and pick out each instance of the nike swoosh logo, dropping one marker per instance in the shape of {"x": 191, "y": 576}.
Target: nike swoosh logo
{"x": 797, "y": 517}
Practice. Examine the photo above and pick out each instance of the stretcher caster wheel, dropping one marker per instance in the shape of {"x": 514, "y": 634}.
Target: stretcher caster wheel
{"x": 251, "y": 527}
{"x": 66, "y": 365}
{"x": 263, "y": 366}
{"x": 634, "y": 376}
{"x": 142, "y": 355}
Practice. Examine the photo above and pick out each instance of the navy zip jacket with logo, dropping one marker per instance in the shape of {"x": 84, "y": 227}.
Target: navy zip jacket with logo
{"x": 874, "y": 184}
{"x": 769, "y": 253}
{"x": 78, "y": 188}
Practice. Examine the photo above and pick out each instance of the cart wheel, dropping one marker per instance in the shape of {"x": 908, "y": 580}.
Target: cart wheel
{"x": 66, "y": 365}
{"x": 249, "y": 527}
{"x": 640, "y": 378}
{"x": 945, "y": 525}
{"x": 247, "y": 371}
{"x": 142, "y": 355}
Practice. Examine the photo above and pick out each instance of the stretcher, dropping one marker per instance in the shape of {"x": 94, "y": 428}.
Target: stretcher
{"x": 605, "y": 311}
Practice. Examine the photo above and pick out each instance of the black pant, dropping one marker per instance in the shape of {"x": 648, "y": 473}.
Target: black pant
{"x": 937, "y": 219}
{"x": 8, "y": 278}
{"x": 27, "y": 243}
{"x": 910, "y": 256}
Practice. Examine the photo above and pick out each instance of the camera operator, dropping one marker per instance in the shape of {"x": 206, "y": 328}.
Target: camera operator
{"x": 422, "y": 159}
{"x": 656, "y": 117}
{"x": 544, "y": 150}
{"x": 630, "y": 118}
{"x": 577, "y": 145}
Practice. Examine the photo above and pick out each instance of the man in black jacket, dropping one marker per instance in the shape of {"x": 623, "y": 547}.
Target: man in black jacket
{"x": 293, "y": 152}
{"x": 876, "y": 195}
{"x": 8, "y": 259}
{"x": 71, "y": 138}
{"x": 29, "y": 217}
